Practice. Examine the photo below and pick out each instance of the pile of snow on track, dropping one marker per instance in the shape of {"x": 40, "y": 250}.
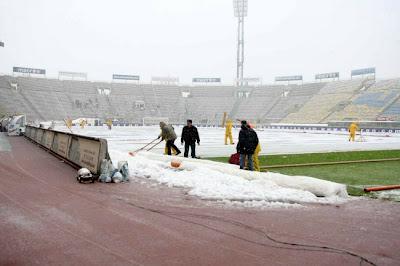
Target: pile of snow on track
{"x": 223, "y": 182}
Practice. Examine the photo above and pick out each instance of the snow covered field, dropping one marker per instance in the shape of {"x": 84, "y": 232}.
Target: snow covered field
{"x": 272, "y": 141}
{"x": 217, "y": 181}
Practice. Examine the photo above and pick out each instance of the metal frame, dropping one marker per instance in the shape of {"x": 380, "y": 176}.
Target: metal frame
{"x": 31, "y": 133}
{"x": 240, "y": 11}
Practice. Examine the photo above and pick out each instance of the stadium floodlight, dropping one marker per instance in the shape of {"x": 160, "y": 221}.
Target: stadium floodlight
{"x": 240, "y": 11}
{"x": 240, "y": 8}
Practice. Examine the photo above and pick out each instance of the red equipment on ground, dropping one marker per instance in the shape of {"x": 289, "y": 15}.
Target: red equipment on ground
{"x": 235, "y": 159}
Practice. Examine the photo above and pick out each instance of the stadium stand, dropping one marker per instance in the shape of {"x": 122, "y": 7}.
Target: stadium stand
{"x": 259, "y": 100}
{"x": 54, "y": 99}
{"x": 333, "y": 95}
{"x": 292, "y": 99}
{"x": 369, "y": 103}
{"x": 393, "y": 112}
{"x": 207, "y": 104}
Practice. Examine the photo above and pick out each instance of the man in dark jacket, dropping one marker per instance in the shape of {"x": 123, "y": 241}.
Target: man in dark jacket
{"x": 190, "y": 136}
{"x": 246, "y": 146}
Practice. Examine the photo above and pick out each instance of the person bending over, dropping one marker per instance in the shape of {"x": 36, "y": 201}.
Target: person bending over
{"x": 168, "y": 134}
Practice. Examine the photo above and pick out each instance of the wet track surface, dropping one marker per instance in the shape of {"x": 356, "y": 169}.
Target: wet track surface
{"x": 46, "y": 217}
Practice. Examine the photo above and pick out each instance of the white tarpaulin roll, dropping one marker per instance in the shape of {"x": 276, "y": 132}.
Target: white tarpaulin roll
{"x": 219, "y": 181}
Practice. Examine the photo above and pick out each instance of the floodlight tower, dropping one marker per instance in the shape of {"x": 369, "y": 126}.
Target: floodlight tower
{"x": 240, "y": 11}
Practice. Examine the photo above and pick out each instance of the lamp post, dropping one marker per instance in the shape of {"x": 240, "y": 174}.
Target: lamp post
{"x": 240, "y": 11}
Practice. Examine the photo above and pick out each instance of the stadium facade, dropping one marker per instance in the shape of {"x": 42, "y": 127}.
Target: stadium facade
{"x": 319, "y": 102}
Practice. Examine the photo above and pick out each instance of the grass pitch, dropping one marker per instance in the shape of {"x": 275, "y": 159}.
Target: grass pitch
{"x": 355, "y": 175}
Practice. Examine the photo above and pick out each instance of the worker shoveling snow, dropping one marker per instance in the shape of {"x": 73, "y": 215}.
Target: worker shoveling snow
{"x": 218, "y": 181}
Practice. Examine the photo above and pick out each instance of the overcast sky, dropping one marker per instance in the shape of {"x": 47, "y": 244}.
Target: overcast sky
{"x": 197, "y": 38}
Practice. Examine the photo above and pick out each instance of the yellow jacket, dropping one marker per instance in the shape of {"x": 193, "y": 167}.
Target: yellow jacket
{"x": 353, "y": 128}
{"x": 69, "y": 123}
{"x": 228, "y": 126}
{"x": 258, "y": 149}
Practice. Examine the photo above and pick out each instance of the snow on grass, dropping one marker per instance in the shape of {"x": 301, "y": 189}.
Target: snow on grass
{"x": 273, "y": 141}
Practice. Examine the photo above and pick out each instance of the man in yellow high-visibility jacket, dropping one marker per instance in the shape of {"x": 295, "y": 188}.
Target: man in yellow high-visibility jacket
{"x": 256, "y": 162}
{"x": 109, "y": 123}
{"x": 82, "y": 123}
{"x": 228, "y": 132}
{"x": 68, "y": 123}
{"x": 352, "y": 129}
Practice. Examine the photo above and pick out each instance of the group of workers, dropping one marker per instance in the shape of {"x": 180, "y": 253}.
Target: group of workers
{"x": 189, "y": 137}
{"x": 248, "y": 145}
{"x": 82, "y": 123}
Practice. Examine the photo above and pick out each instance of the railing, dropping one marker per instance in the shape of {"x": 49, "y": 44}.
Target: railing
{"x": 366, "y": 129}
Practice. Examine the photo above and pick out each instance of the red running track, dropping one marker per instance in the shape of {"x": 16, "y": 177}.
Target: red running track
{"x": 46, "y": 217}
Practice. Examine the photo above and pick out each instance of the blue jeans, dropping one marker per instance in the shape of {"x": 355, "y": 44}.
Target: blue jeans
{"x": 249, "y": 161}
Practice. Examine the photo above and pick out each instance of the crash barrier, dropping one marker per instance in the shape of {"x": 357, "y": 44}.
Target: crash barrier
{"x": 82, "y": 151}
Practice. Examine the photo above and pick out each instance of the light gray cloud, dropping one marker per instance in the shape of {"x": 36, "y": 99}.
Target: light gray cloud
{"x": 198, "y": 38}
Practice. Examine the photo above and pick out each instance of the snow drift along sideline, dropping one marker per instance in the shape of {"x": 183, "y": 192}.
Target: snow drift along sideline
{"x": 219, "y": 181}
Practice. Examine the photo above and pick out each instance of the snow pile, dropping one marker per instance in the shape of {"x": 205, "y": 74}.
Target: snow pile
{"x": 217, "y": 181}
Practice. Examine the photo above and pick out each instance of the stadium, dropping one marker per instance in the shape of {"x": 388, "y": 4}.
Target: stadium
{"x": 359, "y": 99}
{"x": 88, "y": 174}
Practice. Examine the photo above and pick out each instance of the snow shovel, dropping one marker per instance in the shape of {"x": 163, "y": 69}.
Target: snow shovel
{"x": 133, "y": 153}
{"x": 154, "y": 145}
